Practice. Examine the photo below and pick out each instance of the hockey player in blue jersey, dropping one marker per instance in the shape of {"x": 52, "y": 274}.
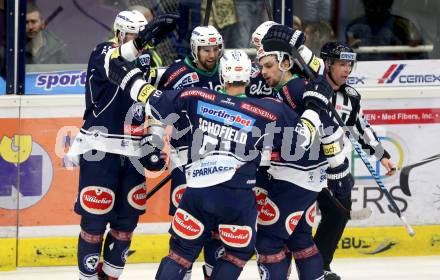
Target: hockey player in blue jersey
{"x": 228, "y": 134}
{"x": 339, "y": 62}
{"x": 198, "y": 70}
{"x": 285, "y": 227}
{"x": 111, "y": 186}
{"x": 258, "y": 87}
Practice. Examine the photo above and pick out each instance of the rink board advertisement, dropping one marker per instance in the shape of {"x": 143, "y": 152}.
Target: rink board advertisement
{"x": 367, "y": 74}
{"x": 395, "y": 73}
{"x": 2, "y": 86}
{"x": 56, "y": 82}
{"x": 42, "y": 201}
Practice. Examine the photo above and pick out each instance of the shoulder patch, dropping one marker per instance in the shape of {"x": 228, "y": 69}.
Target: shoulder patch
{"x": 351, "y": 91}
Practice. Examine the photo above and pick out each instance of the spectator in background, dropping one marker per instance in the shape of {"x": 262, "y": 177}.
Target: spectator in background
{"x": 236, "y": 20}
{"x": 378, "y": 27}
{"x": 297, "y": 24}
{"x": 42, "y": 47}
{"x": 317, "y": 34}
{"x": 147, "y": 12}
{"x": 317, "y": 10}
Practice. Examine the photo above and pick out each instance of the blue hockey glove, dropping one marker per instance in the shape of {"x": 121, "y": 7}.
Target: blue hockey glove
{"x": 123, "y": 73}
{"x": 143, "y": 62}
{"x": 156, "y": 30}
{"x": 339, "y": 179}
{"x": 282, "y": 38}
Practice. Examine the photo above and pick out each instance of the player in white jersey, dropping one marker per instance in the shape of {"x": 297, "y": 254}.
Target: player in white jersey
{"x": 339, "y": 62}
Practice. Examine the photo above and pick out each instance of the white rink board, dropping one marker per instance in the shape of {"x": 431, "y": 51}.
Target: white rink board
{"x": 408, "y": 143}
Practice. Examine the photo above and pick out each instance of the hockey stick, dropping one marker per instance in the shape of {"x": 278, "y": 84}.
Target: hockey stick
{"x": 53, "y": 15}
{"x": 159, "y": 186}
{"x": 207, "y": 12}
{"x": 268, "y": 9}
{"x": 404, "y": 173}
{"x": 360, "y": 214}
{"x": 91, "y": 17}
{"x": 350, "y": 134}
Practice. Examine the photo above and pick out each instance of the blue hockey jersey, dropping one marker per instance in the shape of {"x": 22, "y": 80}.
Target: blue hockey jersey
{"x": 113, "y": 122}
{"x": 183, "y": 73}
{"x": 228, "y": 134}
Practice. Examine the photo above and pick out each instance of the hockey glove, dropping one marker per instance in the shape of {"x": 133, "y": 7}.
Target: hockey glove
{"x": 153, "y": 158}
{"x": 123, "y": 73}
{"x": 143, "y": 62}
{"x": 282, "y": 38}
{"x": 317, "y": 94}
{"x": 339, "y": 179}
{"x": 156, "y": 30}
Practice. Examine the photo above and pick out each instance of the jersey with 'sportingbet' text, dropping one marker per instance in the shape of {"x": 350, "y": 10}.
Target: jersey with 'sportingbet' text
{"x": 182, "y": 74}
{"x": 228, "y": 133}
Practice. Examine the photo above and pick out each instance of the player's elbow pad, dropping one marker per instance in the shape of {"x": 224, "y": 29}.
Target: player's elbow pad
{"x": 309, "y": 124}
{"x": 141, "y": 91}
{"x": 336, "y": 147}
{"x": 314, "y": 62}
{"x": 155, "y": 127}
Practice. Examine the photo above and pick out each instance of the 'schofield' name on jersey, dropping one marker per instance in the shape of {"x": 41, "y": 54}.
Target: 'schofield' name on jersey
{"x": 227, "y": 133}
{"x": 182, "y": 74}
{"x": 224, "y": 145}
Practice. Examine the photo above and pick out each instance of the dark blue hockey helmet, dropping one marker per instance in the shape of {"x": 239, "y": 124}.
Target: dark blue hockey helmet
{"x": 337, "y": 51}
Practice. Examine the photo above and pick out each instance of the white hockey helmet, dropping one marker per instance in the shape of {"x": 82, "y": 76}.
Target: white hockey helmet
{"x": 259, "y": 33}
{"x": 280, "y": 56}
{"x": 235, "y": 66}
{"x": 129, "y": 22}
{"x": 205, "y": 36}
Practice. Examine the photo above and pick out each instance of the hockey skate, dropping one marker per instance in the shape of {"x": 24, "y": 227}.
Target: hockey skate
{"x": 329, "y": 275}
{"x": 102, "y": 275}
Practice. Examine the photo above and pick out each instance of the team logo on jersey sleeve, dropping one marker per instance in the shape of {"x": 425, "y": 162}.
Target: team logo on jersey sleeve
{"x": 225, "y": 116}
{"x": 311, "y": 214}
{"x": 292, "y": 221}
{"x": 97, "y": 200}
{"x": 186, "y": 80}
{"x": 176, "y": 195}
{"x": 235, "y": 236}
{"x": 137, "y": 197}
{"x": 186, "y": 226}
{"x": 269, "y": 214}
